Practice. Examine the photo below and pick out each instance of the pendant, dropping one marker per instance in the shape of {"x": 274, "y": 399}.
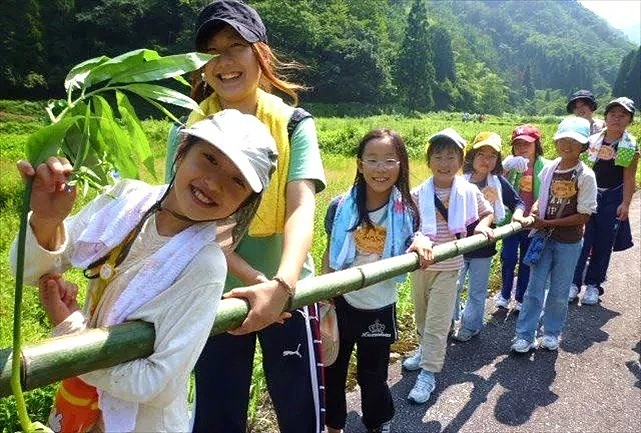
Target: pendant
{"x": 106, "y": 271}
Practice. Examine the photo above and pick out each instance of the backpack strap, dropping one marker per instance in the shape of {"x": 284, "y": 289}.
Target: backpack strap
{"x": 298, "y": 116}
{"x": 443, "y": 211}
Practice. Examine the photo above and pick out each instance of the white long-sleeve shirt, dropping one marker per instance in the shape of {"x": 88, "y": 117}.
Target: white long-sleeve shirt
{"x": 182, "y": 316}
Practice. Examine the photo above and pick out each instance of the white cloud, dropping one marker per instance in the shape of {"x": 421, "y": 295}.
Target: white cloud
{"x": 621, "y": 14}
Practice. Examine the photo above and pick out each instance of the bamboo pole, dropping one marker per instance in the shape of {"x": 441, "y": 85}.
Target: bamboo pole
{"x": 57, "y": 358}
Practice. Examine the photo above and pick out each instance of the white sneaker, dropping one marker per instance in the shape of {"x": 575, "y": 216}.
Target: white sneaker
{"x": 549, "y": 342}
{"x": 464, "y": 334}
{"x": 591, "y": 296}
{"x": 412, "y": 363}
{"x": 574, "y": 293}
{"x": 522, "y": 346}
{"x": 425, "y": 384}
{"x": 500, "y": 301}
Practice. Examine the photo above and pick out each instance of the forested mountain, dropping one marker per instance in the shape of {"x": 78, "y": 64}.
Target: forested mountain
{"x": 482, "y": 56}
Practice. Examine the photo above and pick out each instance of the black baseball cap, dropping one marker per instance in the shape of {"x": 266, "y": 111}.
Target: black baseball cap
{"x": 244, "y": 19}
{"x": 586, "y": 95}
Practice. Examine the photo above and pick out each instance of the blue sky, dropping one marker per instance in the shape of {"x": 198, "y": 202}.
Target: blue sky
{"x": 621, "y": 14}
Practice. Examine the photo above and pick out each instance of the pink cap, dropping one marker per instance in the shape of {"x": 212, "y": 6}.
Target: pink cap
{"x": 527, "y": 132}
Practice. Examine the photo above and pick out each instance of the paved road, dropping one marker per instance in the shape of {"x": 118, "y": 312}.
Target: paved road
{"x": 592, "y": 384}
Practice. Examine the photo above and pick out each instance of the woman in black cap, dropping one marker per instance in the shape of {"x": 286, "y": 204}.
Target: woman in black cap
{"x": 271, "y": 258}
{"x": 583, "y": 104}
{"x": 614, "y": 154}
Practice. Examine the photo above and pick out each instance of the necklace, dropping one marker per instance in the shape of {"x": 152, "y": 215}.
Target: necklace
{"x": 178, "y": 216}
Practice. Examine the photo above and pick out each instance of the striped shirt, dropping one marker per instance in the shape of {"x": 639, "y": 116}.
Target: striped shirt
{"x": 443, "y": 234}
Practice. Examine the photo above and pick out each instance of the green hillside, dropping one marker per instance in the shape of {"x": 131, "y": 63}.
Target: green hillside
{"x": 362, "y": 56}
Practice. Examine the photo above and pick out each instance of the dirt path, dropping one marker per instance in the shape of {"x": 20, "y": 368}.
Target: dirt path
{"x": 592, "y": 384}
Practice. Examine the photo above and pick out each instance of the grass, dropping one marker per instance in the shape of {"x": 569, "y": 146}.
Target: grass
{"x": 338, "y": 138}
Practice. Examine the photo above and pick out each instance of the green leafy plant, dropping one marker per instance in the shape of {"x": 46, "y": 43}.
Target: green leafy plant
{"x": 102, "y": 144}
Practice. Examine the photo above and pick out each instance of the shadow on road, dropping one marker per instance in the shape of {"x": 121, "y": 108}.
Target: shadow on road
{"x": 485, "y": 362}
{"x": 635, "y": 366}
{"x": 584, "y": 327}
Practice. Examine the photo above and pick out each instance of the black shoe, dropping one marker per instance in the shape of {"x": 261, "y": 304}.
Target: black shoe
{"x": 386, "y": 427}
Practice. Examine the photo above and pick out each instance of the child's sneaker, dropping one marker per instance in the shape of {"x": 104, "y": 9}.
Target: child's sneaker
{"x": 386, "y": 427}
{"x": 574, "y": 293}
{"x": 522, "y": 346}
{"x": 591, "y": 296}
{"x": 425, "y": 384}
{"x": 549, "y": 342}
{"x": 500, "y": 301}
{"x": 412, "y": 363}
{"x": 464, "y": 334}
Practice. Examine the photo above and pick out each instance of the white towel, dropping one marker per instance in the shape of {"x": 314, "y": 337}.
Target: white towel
{"x": 462, "y": 209}
{"x": 159, "y": 272}
{"x": 494, "y": 182}
{"x": 108, "y": 227}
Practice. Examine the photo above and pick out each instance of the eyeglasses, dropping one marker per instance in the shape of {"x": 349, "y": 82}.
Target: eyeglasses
{"x": 388, "y": 164}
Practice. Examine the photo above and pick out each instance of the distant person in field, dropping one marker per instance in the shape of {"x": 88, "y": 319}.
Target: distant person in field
{"x": 375, "y": 219}
{"x": 267, "y": 263}
{"x": 614, "y": 156}
{"x": 447, "y": 204}
{"x": 583, "y": 104}
{"x": 522, "y": 169}
{"x": 482, "y": 167}
{"x": 149, "y": 254}
{"x": 567, "y": 199}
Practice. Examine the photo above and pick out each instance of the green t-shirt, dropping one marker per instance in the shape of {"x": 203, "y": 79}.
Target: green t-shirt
{"x": 263, "y": 253}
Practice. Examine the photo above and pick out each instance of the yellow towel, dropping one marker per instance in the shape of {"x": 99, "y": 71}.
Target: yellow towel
{"x": 273, "y": 112}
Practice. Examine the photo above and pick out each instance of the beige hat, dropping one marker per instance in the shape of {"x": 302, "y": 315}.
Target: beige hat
{"x": 451, "y": 134}
{"x": 244, "y": 139}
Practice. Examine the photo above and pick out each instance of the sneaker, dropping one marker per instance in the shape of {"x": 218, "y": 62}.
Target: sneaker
{"x": 574, "y": 293}
{"x": 386, "y": 427}
{"x": 412, "y": 363}
{"x": 517, "y": 306}
{"x": 425, "y": 384}
{"x": 591, "y": 296}
{"x": 464, "y": 334}
{"x": 549, "y": 342}
{"x": 522, "y": 346}
{"x": 500, "y": 301}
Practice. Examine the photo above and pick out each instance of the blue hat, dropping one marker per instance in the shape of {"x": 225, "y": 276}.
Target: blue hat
{"x": 586, "y": 95}
{"x": 243, "y": 18}
{"x": 576, "y": 128}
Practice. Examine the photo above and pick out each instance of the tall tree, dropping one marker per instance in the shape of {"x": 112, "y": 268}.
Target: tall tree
{"x": 527, "y": 83}
{"x": 22, "y": 57}
{"x": 628, "y": 81}
{"x": 444, "y": 67}
{"x": 443, "y": 91}
{"x": 415, "y": 67}
{"x": 633, "y": 82}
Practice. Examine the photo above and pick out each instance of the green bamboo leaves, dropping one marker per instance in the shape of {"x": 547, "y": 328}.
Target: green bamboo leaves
{"x": 101, "y": 142}
{"x": 90, "y": 133}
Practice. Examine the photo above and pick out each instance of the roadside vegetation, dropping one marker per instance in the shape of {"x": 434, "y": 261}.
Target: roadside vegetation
{"x": 338, "y": 138}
